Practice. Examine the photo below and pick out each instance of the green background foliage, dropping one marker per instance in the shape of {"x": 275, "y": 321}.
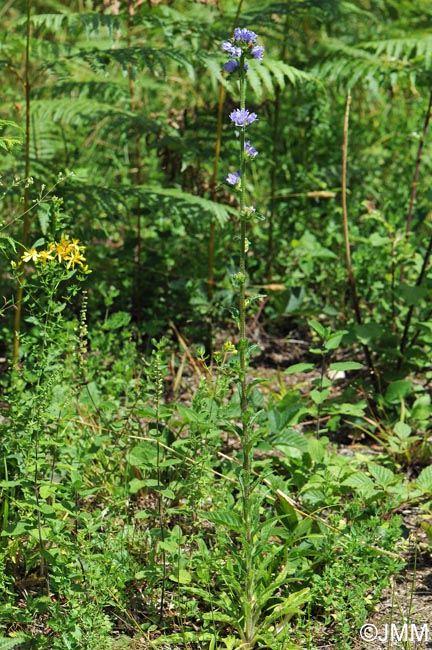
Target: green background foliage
{"x": 121, "y": 455}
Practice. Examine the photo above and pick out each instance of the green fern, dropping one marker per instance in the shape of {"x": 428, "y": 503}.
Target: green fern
{"x": 191, "y": 202}
{"x": 415, "y": 50}
{"x": 352, "y": 64}
{"x": 271, "y": 74}
{"x": 7, "y": 142}
{"x": 7, "y": 643}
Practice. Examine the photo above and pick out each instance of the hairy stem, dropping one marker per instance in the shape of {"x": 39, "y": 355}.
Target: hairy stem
{"x": 249, "y": 625}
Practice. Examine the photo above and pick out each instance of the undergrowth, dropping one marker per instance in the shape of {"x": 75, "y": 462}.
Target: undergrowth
{"x": 158, "y": 487}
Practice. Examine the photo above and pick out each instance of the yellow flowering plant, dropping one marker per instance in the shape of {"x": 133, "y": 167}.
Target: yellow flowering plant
{"x": 55, "y": 260}
{"x": 67, "y": 251}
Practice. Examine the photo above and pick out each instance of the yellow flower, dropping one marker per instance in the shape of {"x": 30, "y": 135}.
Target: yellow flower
{"x": 229, "y": 347}
{"x": 44, "y": 256}
{"x": 66, "y": 250}
{"x": 74, "y": 257}
{"x": 61, "y": 248}
{"x": 30, "y": 255}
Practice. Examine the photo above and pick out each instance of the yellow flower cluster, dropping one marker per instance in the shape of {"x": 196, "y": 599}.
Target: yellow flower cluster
{"x": 65, "y": 251}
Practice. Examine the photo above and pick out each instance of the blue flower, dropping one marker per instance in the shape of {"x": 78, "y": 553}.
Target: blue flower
{"x": 234, "y": 178}
{"x": 244, "y": 35}
{"x": 231, "y": 49}
{"x": 241, "y": 117}
{"x": 257, "y": 52}
{"x": 250, "y": 150}
{"x": 231, "y": 65}
{"x": 241, "y": 45}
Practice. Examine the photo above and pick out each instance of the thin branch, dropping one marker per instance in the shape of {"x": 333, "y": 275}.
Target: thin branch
{"x": 417, "y": 166}
{"x": 404, "y": 340}
{"x": 350, "y": 272}
{"x": 27, "y": 217}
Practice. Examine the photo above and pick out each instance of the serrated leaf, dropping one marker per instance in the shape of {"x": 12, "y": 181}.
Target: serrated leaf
{"x": 316, "y": 449}
{"x": 7, "y": 484}
{"x": 291, "y": 438}
{"x": 359, "y": 480}
{"x": 229, "y": 519}
{"x": 382, "y": 475}
{"x": 413, "y": 295}
{"x": 135, "y": 485}
{"x": 313, "y": 496}
{"x": 424, "y": 479}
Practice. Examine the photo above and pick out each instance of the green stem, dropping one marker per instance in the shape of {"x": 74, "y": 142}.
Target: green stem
{"x": 249, "y": 622}
{"x": 221, "y": 99}
{"x": 242, "y": 297}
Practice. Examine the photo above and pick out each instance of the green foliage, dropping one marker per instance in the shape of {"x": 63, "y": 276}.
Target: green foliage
{"x": 130, "y": 514}
{"x": 8, "y": 142}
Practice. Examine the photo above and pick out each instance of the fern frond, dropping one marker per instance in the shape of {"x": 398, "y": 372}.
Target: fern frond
{"x": 198, "y": 204}
{"x": 7, "y": 142}
{"x": 111, "y": 200}
{"x": 416, "y": 49}
{"x": 271, "y": 73}
{"x": 78, "y": 111}
{"x": 7, "y": 643}
{"x": 92, "y": 23}
{"x": 390, "y": 57}
{"x": 104, "y": 91}
{"x": 136, "y": 58}
{"x": 351, "y": 64}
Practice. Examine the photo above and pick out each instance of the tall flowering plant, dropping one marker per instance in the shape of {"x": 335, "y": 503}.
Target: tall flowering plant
{"x": 241, "y": 48}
